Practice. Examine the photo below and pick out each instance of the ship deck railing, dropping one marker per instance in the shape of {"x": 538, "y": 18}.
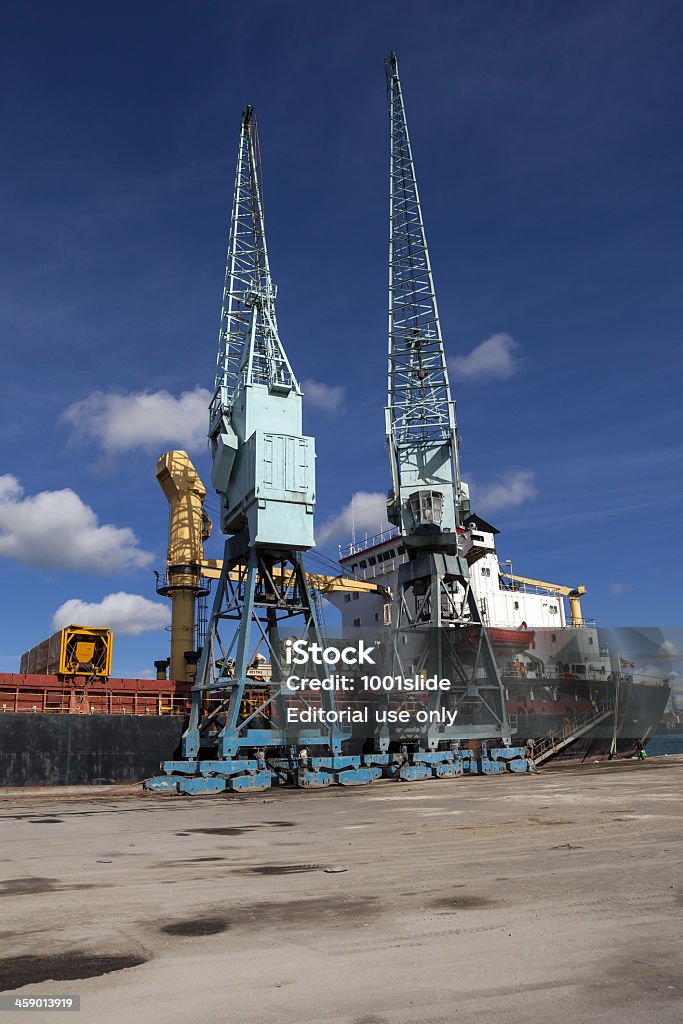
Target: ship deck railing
{"x": 358, "y": 547}
{"x": 593, "y": 675}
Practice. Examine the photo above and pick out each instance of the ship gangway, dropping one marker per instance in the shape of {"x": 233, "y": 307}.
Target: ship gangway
{"x": 578, "y": 726}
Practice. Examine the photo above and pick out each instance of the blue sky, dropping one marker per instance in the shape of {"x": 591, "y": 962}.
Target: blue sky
{"x": 549, "y": 150}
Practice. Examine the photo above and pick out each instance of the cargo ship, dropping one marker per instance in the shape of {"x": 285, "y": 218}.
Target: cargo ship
{"x": 65, "y": 720}
{"x": 566, "y": 690}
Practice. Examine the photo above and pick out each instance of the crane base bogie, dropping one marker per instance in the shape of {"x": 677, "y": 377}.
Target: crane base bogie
{"x": 180, "y": 767}
{"x": 200, "y": 786}
{"x": 490, "y": 767}
{"x": 361, "y": 776}
{"x": 414, "y": 772}
{"x": 314, "y": 778}
{"x": 200, "y": 778}
{"x": 256, "y": 783}
{"x": 229, "y": 768}
{"x": 448, "y": 770}
{"x": 161, "y": 784}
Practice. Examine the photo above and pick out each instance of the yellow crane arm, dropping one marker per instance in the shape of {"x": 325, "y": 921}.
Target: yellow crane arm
{"x": 556, "y": 588}
{"x": 211, "y": 569}
{"x": 573, "y": 593}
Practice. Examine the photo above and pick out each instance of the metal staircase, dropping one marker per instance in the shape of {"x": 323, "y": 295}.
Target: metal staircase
{"x": 578, "y": 726}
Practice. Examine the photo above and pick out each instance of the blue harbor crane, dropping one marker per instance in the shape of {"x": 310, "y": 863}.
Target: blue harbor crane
{"x": 263, "y": 471}
{"x": 428, "y": 501}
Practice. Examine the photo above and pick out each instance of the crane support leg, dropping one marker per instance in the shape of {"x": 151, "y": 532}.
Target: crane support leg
{"x": 237, "y": 734}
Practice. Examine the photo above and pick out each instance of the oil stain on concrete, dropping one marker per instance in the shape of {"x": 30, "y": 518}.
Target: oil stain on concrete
{"x": 193, "y": 927}
{"x": 463, "y": 902}
{"x": 17, "y": 971}
{"x": 29, "y": 885}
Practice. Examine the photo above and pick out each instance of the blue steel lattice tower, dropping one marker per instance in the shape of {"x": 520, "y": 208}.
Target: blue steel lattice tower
{"x": 428, "y": 501}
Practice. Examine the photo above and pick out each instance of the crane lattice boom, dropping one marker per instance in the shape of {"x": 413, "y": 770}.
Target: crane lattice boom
{"x": 421, "y": 426}
{"x": 249, "y": 349}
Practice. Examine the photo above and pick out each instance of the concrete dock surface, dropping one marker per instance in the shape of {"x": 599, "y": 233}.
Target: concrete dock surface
{"x": 545, "y": 898}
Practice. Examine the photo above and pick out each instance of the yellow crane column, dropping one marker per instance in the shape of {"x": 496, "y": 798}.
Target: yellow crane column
{"x": 188, "y": 528}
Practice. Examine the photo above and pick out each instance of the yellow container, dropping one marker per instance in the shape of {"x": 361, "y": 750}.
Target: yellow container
{"x": 74, "y": 651}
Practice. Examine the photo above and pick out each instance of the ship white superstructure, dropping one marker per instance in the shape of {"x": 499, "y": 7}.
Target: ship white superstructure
{"x": 559, "y": 650}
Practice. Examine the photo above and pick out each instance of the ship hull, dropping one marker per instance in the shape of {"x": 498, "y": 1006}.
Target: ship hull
{"x": 76, "y": 750}
{"x": 40, "y": 748}
{"x": 639, "y": 708}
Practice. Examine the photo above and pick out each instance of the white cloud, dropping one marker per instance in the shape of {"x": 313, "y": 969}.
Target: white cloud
{"x": 366, "y": 512}
{"x": 145, "y": 419}
{"x": 126, "y": 614}
{"x": 493, "y": 359}
{"x": 619, "y": 588}
{"x": 323, "y": 397}
{"x": 56, "y": 530}
{"x": 144, "y": 673}
{"x": 511, "y": 489}
{"x": 668, "y": 649}
{"x": 657, "y": 672}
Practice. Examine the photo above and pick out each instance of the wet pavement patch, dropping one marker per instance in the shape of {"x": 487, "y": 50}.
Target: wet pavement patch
{"x": 200, "y": 860}
{"x": 25, "y": 886}
{"x": 17, "y": 971}
{"x": 280, "y": 869}
{"x": 317, "y": 911}
{"x": 222, "y": 831}
{"x": 32, "y": 884}
{"x": 463, "y": 902}
{"x": 196, "y": 926}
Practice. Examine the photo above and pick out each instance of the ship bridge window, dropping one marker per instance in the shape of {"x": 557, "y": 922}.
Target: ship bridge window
{"x": 363, "y": 564}
{"x": 590, "y": 641}
{"x": 580, "y": 670}
{"x": 372, "y": 560}
{"x": 553, "y": 609}
{"x": 347, "y": 597}
{"x": 356, "y": 596}
{"x": 486, "y": 572}
{"x": 516, "y": 605}
{"x": 478, "y": 536}
{"x": 356, "y": 622}
{"x": 402, "y": 549}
